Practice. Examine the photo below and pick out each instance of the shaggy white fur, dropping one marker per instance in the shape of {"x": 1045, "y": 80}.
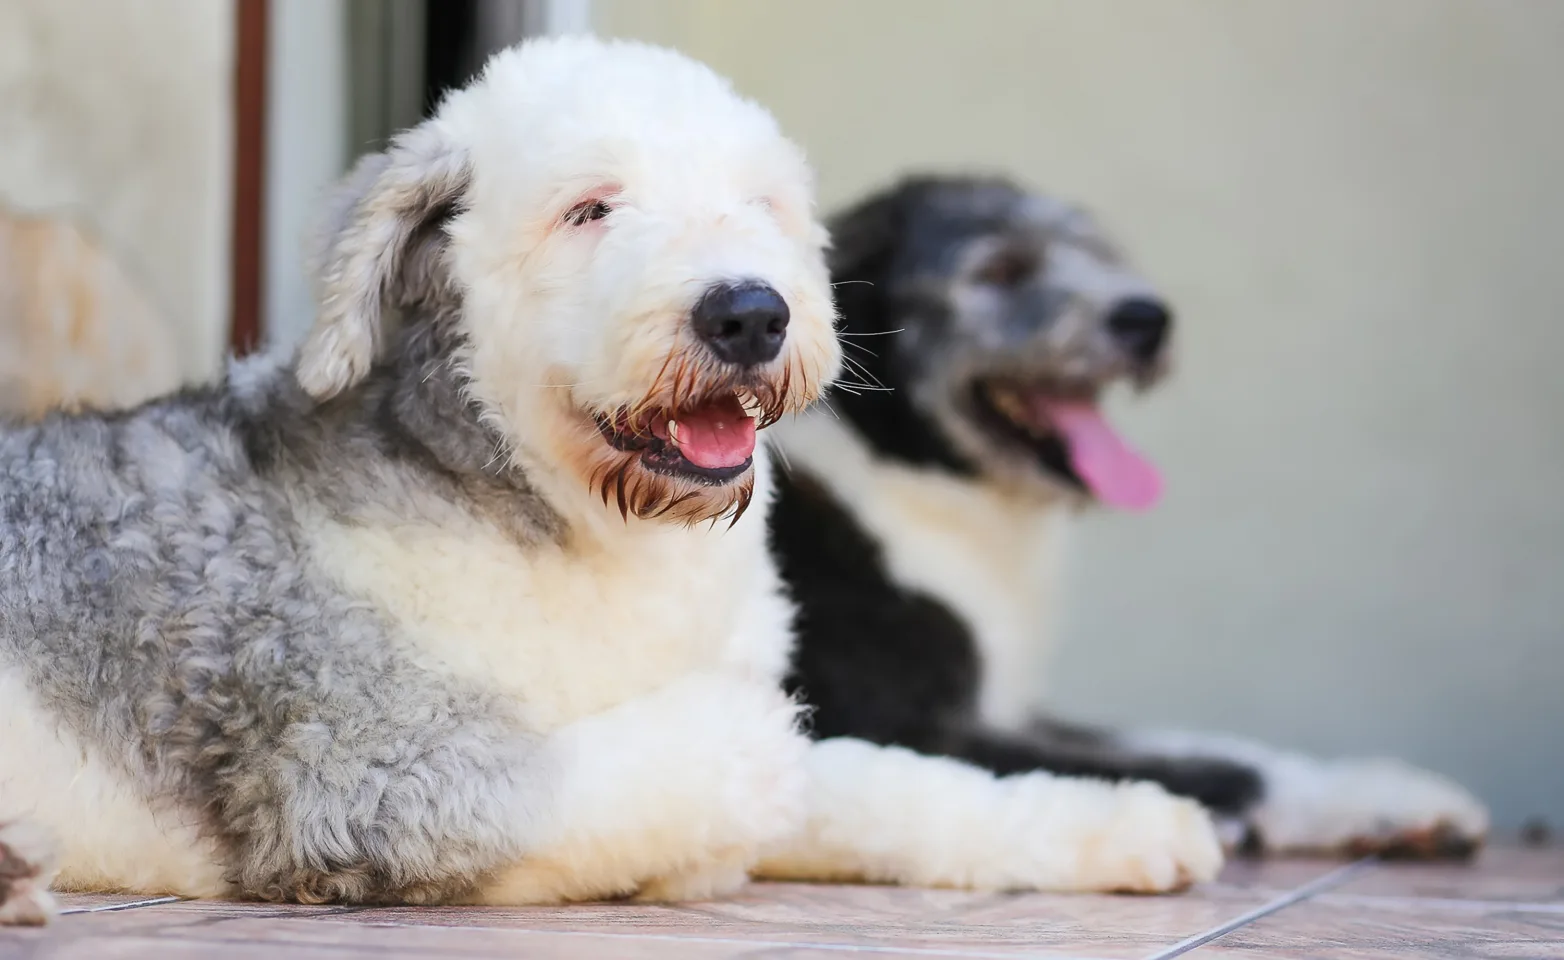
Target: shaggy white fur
{"x": 888, "y": 815}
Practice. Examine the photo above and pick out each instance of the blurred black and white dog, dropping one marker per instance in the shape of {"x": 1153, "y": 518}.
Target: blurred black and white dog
{"x": 919, "y": 528}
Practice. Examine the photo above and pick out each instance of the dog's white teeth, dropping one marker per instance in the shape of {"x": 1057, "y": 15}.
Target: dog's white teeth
{"x": 673, "y": 430}
{"x": 751, "y": 404}
{"x": 1009, "y": 404}
{"x": 1014, "y": 408}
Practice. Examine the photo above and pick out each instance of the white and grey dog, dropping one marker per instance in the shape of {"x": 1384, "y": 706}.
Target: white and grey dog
{"x": 427, "y": 613}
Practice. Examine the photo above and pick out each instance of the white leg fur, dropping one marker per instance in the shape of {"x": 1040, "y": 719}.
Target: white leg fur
{"x": 1330, "y": 806}
{"x": 108, "y": 835}
{"x": 670, "y": 796}
{"x": 889, "y": 815}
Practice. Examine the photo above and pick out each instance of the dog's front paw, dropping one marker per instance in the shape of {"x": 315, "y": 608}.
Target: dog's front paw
{"x": 26, "y": 867}
{"x": 711, "y": 880}
{"x": 1358, "y": 807}
{"x": 1145, "y": 840}
{"x": 889, "y": 815}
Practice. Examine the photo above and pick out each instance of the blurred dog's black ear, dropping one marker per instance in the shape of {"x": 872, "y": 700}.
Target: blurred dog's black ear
{"x": 863, "y": 237}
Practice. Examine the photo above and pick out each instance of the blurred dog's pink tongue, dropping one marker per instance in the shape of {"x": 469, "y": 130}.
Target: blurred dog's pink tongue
{"x": 1116, "y": 474}
{"x": 716, "y": 434}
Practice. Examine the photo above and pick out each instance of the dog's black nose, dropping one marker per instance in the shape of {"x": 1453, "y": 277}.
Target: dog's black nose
{"x": 1140, "y": 325}
{"x": 743, "y": 323}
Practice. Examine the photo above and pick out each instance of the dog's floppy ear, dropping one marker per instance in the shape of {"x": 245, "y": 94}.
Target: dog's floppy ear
{"x": 377, "y": 240}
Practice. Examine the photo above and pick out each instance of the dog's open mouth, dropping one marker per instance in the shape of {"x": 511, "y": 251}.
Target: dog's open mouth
{"x": 709, "y": 441}
{"x": 1067, "y": 433}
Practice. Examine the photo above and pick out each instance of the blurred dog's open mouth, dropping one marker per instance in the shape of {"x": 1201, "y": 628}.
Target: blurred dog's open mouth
{"x": 711, "y": 440}
{"x": 1069, "y": 436}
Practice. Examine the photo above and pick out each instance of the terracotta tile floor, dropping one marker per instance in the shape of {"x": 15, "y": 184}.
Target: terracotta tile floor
{"x": 1510, "y": 904}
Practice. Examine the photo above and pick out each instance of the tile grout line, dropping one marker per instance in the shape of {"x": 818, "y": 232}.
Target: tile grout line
{"x": 1313, "y": 888}
{"x": 1383, "y": 902}
{"x": 115, "y": 907}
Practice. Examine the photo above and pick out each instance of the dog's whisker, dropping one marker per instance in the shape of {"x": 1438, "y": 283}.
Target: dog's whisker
{"x": 862, "y": 371}
{"x": 782, "y": 457}
{"x": 858, "y": 389}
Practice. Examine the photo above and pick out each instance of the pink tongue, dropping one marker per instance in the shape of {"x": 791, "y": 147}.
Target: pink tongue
{"x": 719, "y": 434}
{"x": 1116, "y": 475}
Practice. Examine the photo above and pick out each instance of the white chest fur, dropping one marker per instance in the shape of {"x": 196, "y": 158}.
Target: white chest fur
{"x": 570, "y": 630}
{"x": 991, "y": 560}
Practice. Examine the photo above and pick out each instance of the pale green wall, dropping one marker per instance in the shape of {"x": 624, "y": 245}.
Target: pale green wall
{"x": 1357, "y": 206}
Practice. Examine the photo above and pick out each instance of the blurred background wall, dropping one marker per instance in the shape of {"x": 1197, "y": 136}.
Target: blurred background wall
{"x": 116, "y": 119}
{"x": 1357, "y": 208}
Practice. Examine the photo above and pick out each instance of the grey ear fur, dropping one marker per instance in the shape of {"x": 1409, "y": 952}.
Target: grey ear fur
{"x": 372, "y": 232}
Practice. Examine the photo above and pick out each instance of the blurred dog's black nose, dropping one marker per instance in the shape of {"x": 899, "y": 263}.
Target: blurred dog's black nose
{"x": 743, "y": 323}
{"x": 1140, "y": 325}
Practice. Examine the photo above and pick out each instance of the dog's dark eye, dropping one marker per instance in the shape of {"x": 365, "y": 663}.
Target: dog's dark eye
{"x": 1008, "y": 270}
{"x": 587, "y": 211}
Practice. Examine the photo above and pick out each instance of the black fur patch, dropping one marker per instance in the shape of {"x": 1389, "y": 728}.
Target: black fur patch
{"x": 897, "y": 667}
{"x": 865, "y": 259}
{"x": 874, "y": 660}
